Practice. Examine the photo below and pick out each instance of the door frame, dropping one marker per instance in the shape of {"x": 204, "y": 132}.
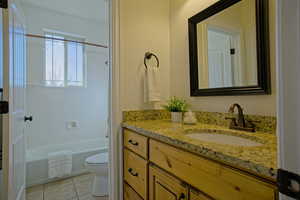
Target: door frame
{"x": 115, "y": 164}
{"x": 9, "y": 15}
{"x": 7, "y": 178}
{"x": 288, "y": 109}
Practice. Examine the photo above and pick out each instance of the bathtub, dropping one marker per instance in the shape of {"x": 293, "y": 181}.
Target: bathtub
{"x": 37, "y": 162}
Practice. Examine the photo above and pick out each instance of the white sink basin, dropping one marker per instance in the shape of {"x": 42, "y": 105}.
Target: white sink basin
{"x": 224, "y": 139}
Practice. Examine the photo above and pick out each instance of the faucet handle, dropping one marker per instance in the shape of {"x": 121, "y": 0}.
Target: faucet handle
{"x": 252, "y": 123}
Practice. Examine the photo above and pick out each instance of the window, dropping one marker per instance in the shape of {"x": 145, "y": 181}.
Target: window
{"x": 64, "y": 61}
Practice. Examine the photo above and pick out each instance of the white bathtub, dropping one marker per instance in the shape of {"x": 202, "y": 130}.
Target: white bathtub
{"x": 37, "y": 162}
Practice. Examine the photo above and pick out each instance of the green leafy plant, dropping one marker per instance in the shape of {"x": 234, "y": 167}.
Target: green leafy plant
{"x": 176, "y": 105}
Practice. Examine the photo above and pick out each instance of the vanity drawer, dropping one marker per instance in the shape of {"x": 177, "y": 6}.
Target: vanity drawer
{"x": 135, "y": 172}
{"x": 137, "y": 143}
{"x": 217, "y": 181}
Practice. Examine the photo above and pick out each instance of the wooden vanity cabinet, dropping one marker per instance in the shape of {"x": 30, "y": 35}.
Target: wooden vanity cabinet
{"x": 135, "y": 166}
{"x": 136, "y": 172}
{"x": 163, "y": 186}
{"x": 157, "y": 171}
{"x": 130, "y": 194}
{"x": 197, "y": 195}
{"x": 215, "y": 179}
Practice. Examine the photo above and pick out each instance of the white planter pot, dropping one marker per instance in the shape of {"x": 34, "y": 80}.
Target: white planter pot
{"x": 176, "y": 117}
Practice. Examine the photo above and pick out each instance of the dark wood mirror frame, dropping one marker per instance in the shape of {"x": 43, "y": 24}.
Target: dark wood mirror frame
{"x": 263, "y": 52}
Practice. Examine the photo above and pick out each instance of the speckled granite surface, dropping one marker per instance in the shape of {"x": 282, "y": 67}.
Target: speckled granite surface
{"x": 140, "y": 115}
{"x": 265, "y": 124}
{"x": 259, "y": 160}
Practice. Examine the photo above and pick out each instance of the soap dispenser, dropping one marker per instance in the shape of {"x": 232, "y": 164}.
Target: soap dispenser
{"x": 189, "y": 118}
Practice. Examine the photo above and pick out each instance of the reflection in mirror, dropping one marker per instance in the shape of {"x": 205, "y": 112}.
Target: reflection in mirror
{"x": 227, "y": 48}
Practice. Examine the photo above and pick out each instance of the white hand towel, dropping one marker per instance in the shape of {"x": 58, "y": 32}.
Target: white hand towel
{"x": 152, "y": 85}
{"x": 59, "y": 164}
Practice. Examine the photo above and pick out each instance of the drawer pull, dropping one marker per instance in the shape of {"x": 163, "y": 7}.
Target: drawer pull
{"x": 133, "y": 143}
{"x": 130, "y": 170}
{"x": 182, "y": 196}
{"x": 168, "y": 162}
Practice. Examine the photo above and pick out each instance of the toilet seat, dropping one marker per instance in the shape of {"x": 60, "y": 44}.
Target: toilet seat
{"x": 98, "y": 159}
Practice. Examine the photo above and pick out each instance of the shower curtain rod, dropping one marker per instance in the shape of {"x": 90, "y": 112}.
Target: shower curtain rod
{"x": 65, "y": 40}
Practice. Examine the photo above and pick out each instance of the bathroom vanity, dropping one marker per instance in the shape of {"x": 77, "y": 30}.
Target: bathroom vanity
{"x": 162, "y": 161}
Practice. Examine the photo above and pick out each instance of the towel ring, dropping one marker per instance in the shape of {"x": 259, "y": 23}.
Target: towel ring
{"x": 148, "y": 56}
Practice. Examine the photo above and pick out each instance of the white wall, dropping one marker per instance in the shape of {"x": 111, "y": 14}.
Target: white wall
{"x": 144, "y": 26}
{"x": 52, "y": 108}
{"x": 181, "y": 10}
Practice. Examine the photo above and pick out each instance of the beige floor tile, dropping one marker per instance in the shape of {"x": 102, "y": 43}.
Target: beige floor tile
{"x": 83, "y": 184}
{"x": 35, "y": 193}
{"x": 83, "y": 178}
{"x": 83, "y": 190}
{"x": 60, "y": 190}
{"x": 85, "y": 197}
{"x": 91, "y": 197}
{"x": 100, "y": 198}
{"x": 61, "y": 182}
{"x": 77, "y": 188}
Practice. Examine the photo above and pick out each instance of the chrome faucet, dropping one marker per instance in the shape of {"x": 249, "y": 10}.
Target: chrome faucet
{"x": 239, "y": 123}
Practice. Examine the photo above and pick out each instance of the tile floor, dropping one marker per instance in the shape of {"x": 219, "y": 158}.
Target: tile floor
{"x": 77, "y": 188}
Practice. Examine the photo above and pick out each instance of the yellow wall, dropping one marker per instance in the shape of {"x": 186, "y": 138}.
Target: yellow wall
{"x": 144, "y": 26}
{"x": 181, "y": 10}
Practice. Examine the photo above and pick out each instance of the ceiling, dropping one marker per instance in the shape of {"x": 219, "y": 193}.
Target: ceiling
{"x": 89, "y": 9}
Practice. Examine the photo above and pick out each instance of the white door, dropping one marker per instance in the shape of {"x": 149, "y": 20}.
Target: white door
{"x": 14, "y": 93}
{"x": 288, "y": 65}
{"x": 219, "y": 59}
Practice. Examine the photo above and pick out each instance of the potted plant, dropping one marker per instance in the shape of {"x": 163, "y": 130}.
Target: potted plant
{"x": 176, "y": 106}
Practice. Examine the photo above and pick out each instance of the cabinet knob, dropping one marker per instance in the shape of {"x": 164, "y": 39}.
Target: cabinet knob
{"x": 133, "y": 143}
{"x": 130, "y": 170}
{"x": 182, "y": 196}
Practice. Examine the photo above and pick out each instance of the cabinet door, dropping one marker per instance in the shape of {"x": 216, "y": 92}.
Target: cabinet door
{"x": 196, "y": 195}
{"x": 130, "y": 194}
{"x": 162, "y": 186}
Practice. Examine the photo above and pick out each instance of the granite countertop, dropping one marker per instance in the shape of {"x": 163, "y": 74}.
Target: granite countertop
{"x": 259, "y": 160}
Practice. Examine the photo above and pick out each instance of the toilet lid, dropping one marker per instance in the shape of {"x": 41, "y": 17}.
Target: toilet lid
{"x": 98, "y": 159}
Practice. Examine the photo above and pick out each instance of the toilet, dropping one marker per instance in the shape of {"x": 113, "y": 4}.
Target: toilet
{"x": 98, "y": 165}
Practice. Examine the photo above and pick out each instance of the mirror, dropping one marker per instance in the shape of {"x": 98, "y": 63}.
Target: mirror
{"x": 229, "y": 49}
